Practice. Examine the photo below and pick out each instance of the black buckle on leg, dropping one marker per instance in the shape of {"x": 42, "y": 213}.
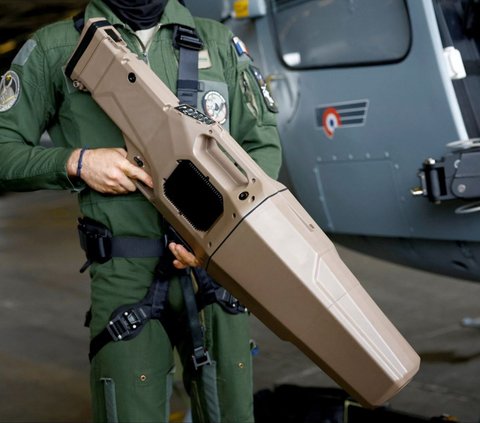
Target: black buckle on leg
{"x": 126, "y": 324}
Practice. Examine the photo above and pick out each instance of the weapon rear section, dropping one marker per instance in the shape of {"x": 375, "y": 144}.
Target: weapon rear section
{"x": 249, "y": 231}
{"x": 296, "y": 283}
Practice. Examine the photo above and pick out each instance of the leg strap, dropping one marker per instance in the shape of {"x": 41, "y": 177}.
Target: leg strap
{"x": 127, "y": 321}
{"x": 210, "y": 292}
{"x": 200, "y": 355}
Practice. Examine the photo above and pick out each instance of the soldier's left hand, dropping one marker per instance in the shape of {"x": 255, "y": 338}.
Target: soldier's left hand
{"x": 183, "y": 257}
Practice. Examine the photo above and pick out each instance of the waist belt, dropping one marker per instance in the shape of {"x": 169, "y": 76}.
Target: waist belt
{"x": 127, "y": 321}
{"x": 100, "y": 246}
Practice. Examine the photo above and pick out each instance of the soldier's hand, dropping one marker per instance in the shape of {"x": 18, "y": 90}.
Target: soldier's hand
{"x": 107, "y": 170}
{"x": 183, "y": 257}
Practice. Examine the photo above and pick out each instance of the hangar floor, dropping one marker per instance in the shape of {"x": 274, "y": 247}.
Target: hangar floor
{"x": 43, "y": 360}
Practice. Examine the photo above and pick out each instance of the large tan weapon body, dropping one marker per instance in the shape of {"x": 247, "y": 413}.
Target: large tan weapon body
{"x": 247, "y": 229}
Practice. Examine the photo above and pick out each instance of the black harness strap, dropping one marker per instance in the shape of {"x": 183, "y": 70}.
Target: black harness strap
{"x": 127, "y": 321}
{"x": 200, "y": 355}
{"x": 189, "y": 44}
{"x": 79, "y": 21}
{"x": 210, "y": 292}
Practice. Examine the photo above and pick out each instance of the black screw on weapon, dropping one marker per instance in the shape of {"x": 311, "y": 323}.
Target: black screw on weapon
{"x": 132, "y": 77}
{"x": 138, "y": 161}
{"x": 243, "y": 195}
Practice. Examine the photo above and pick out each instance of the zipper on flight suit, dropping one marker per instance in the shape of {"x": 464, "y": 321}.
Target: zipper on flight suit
{"x": 142, "y": 48}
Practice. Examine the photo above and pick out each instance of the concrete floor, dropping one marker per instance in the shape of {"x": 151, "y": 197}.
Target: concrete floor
{"x": 43, "y": 352}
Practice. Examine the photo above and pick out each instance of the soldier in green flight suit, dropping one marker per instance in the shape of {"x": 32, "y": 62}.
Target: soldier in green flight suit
{"x": 131, "y": 380}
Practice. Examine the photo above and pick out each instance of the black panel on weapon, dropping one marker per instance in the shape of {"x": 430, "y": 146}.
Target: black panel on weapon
{"x": 193, "y": 195}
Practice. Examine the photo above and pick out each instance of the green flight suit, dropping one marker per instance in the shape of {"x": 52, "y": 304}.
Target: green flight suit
{"x": 131, "y": 380}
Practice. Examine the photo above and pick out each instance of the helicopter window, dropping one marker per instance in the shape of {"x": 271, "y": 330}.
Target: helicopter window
{"x": 327, "y": 33}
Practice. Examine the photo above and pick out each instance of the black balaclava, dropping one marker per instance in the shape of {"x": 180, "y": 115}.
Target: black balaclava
{"x": 138, "y": 14}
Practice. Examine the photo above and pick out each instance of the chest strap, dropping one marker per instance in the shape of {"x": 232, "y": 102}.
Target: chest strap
{"x": 79, "y": 21}
{"x": 189, "y": 44}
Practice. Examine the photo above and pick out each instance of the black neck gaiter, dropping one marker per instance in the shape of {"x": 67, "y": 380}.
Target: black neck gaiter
{"x": 138, "y": 14}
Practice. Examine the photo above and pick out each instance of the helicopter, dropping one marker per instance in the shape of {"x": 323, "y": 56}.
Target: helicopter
{"x": 379, "y": 115}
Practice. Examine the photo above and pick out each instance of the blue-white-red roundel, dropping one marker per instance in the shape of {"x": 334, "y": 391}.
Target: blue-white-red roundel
{"x": 341, "y": 115}
{"x": 330, "y": 121}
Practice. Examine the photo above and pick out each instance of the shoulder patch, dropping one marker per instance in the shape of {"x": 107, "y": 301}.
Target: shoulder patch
{"x": 240, "y": 47}
{"x": 9, "y": 90}
{"x": 267, "y": 97}
{"x": 24, "y": 53}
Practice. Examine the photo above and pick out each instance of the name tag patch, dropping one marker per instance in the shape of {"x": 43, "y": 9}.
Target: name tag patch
{"x": 204, "y": 61}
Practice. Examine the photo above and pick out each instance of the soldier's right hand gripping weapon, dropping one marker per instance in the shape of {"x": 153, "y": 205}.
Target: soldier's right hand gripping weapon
{"x": 247, "y": 229}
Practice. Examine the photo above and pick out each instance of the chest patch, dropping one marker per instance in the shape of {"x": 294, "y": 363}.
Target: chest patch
{"x": 9, "y": 90}
{"x": 215, "y": 106}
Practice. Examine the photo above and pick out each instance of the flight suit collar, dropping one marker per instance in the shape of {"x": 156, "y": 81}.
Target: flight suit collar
{"x": 174, "y": 13}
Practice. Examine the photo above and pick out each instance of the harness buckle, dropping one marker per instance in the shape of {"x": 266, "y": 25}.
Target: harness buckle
{"x": 126, "y": 324}
{"x": 187, "y": 38}
{"x": 201, "y": 357}
{"x": 229, "y": 302}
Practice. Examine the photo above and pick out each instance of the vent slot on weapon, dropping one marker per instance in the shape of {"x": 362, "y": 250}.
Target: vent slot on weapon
{"x": 193, "y": 195}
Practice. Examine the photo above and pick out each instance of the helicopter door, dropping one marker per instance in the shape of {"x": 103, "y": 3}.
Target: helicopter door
{"x": 374, "y": 99}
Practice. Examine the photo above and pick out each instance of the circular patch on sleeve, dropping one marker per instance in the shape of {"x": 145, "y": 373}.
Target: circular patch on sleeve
{"x": 9, "y": 90}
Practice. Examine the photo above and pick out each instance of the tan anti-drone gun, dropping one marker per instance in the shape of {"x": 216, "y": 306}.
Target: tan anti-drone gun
{"x": 247, "y": 229}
